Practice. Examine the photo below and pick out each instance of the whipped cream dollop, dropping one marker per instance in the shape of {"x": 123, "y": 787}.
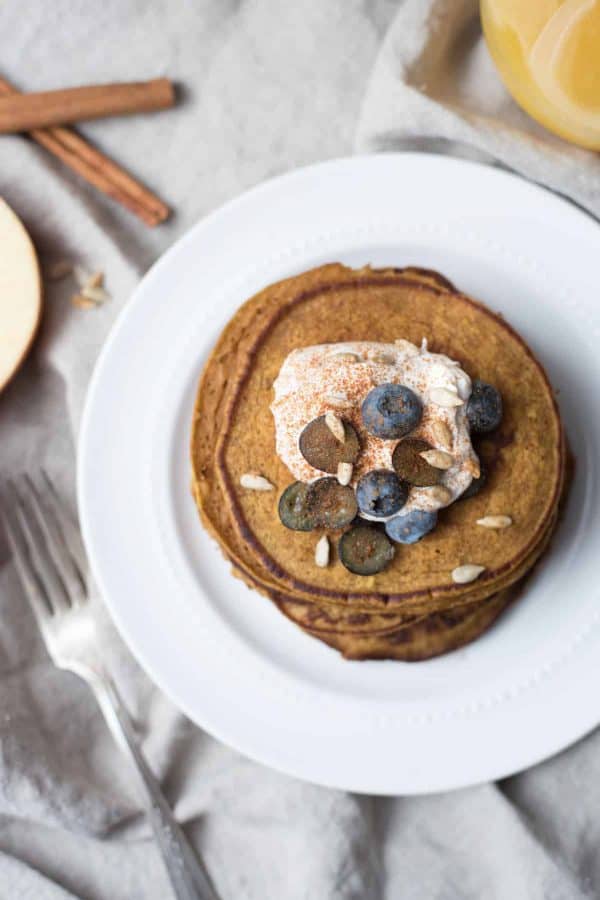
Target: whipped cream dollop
{"x": 338, "y": 377}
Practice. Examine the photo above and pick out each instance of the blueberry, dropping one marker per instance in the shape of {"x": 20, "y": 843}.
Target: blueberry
{"x": 332, "y": 504}
{"x": 411, "y": 527}
{"x": 410, "y": 465}
{"x": 484, "y": 409}
{"x": 381, "y": 493}
{"x": 390, "y": 411}
{"x": 321, "y": 448}
{"x": 324, "y": 503}
{"x": 365, "y": 550}
{"x": 294, "y": 509}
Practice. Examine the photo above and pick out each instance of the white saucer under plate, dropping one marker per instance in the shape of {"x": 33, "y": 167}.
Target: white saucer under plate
{"x": 223, "y": 653}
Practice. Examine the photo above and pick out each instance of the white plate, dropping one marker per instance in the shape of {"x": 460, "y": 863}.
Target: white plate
{"x": 223, "y": 654}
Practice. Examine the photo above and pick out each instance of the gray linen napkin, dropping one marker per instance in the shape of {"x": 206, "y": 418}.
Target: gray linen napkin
{"x": 268, "y": 86}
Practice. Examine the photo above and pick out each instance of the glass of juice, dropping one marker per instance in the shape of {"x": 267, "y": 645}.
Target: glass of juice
{"x": 548, "y": 55}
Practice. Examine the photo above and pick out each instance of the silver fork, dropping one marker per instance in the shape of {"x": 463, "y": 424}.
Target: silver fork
{"x": 50, "y": 559}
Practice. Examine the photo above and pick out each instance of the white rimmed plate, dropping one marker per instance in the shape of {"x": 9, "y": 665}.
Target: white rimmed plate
{"x": 223, "y": 654}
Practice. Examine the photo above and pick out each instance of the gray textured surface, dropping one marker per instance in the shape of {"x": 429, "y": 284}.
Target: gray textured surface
{"x": 268, "y": 86}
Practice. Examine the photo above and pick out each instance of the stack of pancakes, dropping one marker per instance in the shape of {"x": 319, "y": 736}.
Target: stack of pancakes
{"x": 413, "y": 609}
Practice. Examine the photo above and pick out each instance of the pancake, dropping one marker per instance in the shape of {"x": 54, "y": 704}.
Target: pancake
{"x": 430, "y": 636}
{"x": 359, "y": 635}
{"x": 233, "y": 433}
{"x": 422, "y": 604}
{"x": 411, "y": 638}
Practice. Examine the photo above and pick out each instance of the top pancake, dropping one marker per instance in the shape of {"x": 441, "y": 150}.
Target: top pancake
{"x": 233, "y": 433}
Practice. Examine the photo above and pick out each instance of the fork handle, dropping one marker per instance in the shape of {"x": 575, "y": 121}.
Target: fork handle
{"x": 188, "y": 878}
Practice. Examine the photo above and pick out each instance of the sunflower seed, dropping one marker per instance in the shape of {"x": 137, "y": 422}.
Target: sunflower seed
{"x": 339, "y": 401}
{"x": 82, "y": 302}
{"x": 442, "y": 396}
{"x": 442, "y": 434}
{"x": 97, "y": 294}
{"x": 473, "y": 468}
{"x": 439, "y": 459}
{"x": 463, "y": 386}
{"x": 255, "y": 482}
{"x": 467, "y": 573}
{"x": 95, "y": 280}
{"x": 439, "y": 494}
{"x": 344, "y": 473}
{"x": 322, "y": 552}
{"x": 495, "y": 521}
{"x": 336, "y": 426}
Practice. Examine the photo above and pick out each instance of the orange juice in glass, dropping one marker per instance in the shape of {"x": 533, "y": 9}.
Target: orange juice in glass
{"x": 548, "y": 55}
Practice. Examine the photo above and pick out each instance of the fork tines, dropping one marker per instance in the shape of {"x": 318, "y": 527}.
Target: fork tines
{"x": 44, "y": 543}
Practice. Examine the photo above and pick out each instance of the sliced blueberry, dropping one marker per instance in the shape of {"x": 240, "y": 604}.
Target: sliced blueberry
{"x": 294, "y": 509}
{"x": 365, "y": 550}
{"x": 323, "y": 504}
{"x": 475, "y": 485}
{"x": 321, "y": 449}
{"x": 381, "y": 493}
{"x": 411, "y": 527}
{"x": 390, "y": 411}
{"x": 333, "y": 505}
{"x": 484, "y": 409}
{"x": 410, "y": 465}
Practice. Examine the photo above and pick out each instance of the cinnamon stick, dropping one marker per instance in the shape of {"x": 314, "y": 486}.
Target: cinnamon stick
{"x": 41, "y": 110}
{"x": 97, "y": 169}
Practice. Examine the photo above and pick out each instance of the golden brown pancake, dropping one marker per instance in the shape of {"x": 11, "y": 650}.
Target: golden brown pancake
{"x": 233, "y": 433}
{"x": 427, "y": 637}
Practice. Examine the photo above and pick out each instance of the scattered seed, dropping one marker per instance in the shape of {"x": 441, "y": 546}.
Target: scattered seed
{"x": 467, "y": 573}
{"x": 97, "y": 294}
{"x": 441, "y": 434}
{"x": 424, "y": 345}
{"x": 322, "y": 552}
{"x": 439, "y": 459}
{"x": 82, "y": 302}
{"x": 336, "y": 426}
{"x": 255, "y": 482}
{"x": 495, "y": 521}
{"x": 440, "y": 493}
{"x": 344, "y": 473}
{"x": 339, "y": 401}
{"x": 473, "y": 468}
{"x": 463, "y": 386}
{"x": 95, "y": 280}
{"x": 444, "y": 397}
{"x": 58, "y": 270}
